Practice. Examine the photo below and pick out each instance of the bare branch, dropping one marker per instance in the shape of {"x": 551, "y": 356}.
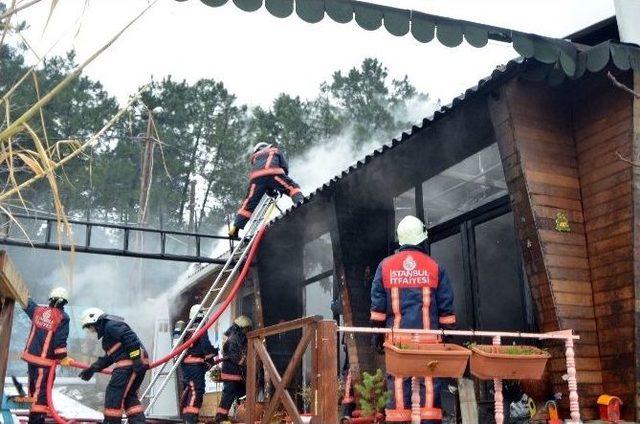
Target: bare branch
{"x": 629, "y": 161}
{"x": 18, "y": 8}
{"x": 621, "y": 86}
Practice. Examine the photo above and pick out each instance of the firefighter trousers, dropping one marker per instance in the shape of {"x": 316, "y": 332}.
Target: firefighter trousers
{"x": 38, "y": 391}
{"x": 231, "y": 390}
{"x": 193, "y": 386}
{"x": 399, "y": 407}
{"x": 261, "y": 185}
{"x": 122, "y": 394}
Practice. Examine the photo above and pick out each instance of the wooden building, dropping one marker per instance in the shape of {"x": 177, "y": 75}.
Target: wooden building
{"x": 532, "y": 204}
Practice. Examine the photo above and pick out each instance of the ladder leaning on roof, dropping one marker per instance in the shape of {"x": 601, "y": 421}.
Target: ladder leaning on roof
{"x": 217, "y": 290}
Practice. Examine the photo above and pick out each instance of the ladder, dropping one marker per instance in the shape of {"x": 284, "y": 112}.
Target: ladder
{"x": 220, "y": 286}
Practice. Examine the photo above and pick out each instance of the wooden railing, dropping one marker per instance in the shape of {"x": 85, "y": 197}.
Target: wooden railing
{"x": 321, "y": 336}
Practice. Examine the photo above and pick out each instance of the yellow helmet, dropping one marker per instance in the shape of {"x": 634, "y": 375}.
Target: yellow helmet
{"x": 243, "y": 321}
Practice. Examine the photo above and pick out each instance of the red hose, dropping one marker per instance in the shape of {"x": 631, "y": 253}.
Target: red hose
{"x": 212, "y": 320}
{"x": 179, "y": 349}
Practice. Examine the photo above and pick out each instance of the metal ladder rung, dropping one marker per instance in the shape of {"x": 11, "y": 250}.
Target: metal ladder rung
{"x": 219, "y": 286}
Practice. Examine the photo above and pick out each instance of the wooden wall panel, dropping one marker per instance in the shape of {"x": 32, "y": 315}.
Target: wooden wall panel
{"x": 603, "y": 129}
{"x": 533, "y": 128}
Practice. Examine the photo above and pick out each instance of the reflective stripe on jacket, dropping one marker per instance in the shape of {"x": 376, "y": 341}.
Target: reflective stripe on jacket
{"x": 234, "y": 351}
{"x": 119, "y": 342}
{"x": 410, "y": 290}
{"x": 268, "y": 161}
{"x": 47, "y": 338}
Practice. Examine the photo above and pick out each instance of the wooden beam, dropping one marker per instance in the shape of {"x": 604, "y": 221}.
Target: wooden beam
{"x": 281, "y": 383}
{"x": 11, "y": 284}
{"x": 284, "y": 327}
{"x": 6, "y": 321}
{"x": 327, "y": 372}
{"x": 251, "y": 380}
{"x": 636, "y": 236}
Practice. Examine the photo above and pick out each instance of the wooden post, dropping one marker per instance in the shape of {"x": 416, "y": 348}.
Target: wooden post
{"x": 327, "y": 372}
{"x": 6, "y": 321}
{"x": 251, "y": 381}
{"x": 497, "y": 387}
{"x": 574, "y": 403}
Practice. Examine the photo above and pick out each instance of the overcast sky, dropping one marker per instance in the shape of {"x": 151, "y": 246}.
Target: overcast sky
{"x": 258, "y": 56}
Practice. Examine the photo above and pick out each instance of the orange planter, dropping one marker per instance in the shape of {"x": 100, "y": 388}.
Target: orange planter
{"x": 426, "y": 360}
{"x": 488, "y": 362}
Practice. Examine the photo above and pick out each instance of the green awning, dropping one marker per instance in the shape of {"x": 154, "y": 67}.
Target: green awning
{"x": 562, "y": 56}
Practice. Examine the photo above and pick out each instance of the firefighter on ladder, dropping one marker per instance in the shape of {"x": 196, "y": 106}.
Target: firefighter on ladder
{"x": 269, "y": 173}
{"x": 46, "y": 344}
{"x": 123, "y": 349}
{"x": 234, "y": 368}
{"x": 200, "y": 357}
{"x": 410, "y": 290}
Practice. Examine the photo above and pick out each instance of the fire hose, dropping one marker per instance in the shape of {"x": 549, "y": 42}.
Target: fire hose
{"x": 178, "y": 349}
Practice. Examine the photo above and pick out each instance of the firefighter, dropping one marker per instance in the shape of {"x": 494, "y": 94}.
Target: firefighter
{"x": 46, "y": 344}
{"x": 123, "y": 349}
{"x": 200, "y": 357}
{"x": 234, "y": 352}
{"x": 411, "y": 290}
{"x": 269, "y": 173}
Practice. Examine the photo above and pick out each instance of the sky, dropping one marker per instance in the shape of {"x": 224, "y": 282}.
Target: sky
{"x": 258, "y": 56}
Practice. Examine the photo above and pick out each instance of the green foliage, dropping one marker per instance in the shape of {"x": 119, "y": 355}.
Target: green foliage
{"x": 373, "y": 393}
{"x": 205, "y": 136}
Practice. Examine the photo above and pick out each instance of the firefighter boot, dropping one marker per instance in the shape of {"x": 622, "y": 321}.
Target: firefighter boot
{"x": 36, "y": 418}
{"x": 298, "y": 198}
{"x": 220, "y": 418}
{"x": 190, "y": 419}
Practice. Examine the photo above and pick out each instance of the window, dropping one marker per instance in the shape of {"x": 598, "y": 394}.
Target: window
{"x": 317, "y": 257}
{"x": 475, "y": 181}
{"x": 404, "y": 204}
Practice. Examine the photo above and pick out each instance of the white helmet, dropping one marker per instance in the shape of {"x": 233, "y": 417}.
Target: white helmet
{"x": 195, "y": 312}
{"x": 90, "y": 316}
{"x": 411, "y": 231}
{"x": 59, "y": 293}
{"x": 243, "y": 321}
{"x": 259, "y": 146}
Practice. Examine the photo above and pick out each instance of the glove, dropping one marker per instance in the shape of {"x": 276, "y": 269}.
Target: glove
{"x": 66, "y": 361}
{"x": 377, "y": 342}
{"x": 139, "y": 367}
{"x": 88, "y": 373}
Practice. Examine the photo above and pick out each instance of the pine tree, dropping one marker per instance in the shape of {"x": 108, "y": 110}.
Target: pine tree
{"x": 373, "y": 393}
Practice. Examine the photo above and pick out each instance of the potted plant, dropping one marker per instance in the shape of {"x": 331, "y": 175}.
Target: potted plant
{"x": 425, "y": 359}
{"x": 373, "y": 397}
{"x": 508, "y": 362}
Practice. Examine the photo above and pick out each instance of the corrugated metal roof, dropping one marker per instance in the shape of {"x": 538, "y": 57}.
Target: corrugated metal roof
{"x": 498, "y": 75}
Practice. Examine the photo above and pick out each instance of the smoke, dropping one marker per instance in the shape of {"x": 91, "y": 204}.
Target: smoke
{"x": 324, "y": 161}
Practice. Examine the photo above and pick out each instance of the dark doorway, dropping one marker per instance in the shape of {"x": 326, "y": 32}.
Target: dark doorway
{"x": 479, "y": 250}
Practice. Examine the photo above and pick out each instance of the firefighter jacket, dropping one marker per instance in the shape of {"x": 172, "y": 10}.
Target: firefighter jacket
{"x": 410, "y": 290}
{"x": 119, "y": 342}
{"x": 268, "y": 161}
{"x": 200, "y": 352}
{"x": 47, "y": 339}
{"x": 234, "y": 352}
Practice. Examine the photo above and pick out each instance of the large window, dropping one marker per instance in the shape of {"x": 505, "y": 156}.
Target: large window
{"x": 475, "y": 181}
{"x": 317, "y": 288}
{"x": 481, "y": 256}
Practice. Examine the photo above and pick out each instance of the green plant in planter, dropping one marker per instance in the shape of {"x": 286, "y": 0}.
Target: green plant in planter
{"x": 373, "y": 393}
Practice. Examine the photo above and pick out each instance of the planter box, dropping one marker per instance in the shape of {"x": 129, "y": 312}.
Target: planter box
{"x": 426, "y": 360}
{"x": 489, "y": 362}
